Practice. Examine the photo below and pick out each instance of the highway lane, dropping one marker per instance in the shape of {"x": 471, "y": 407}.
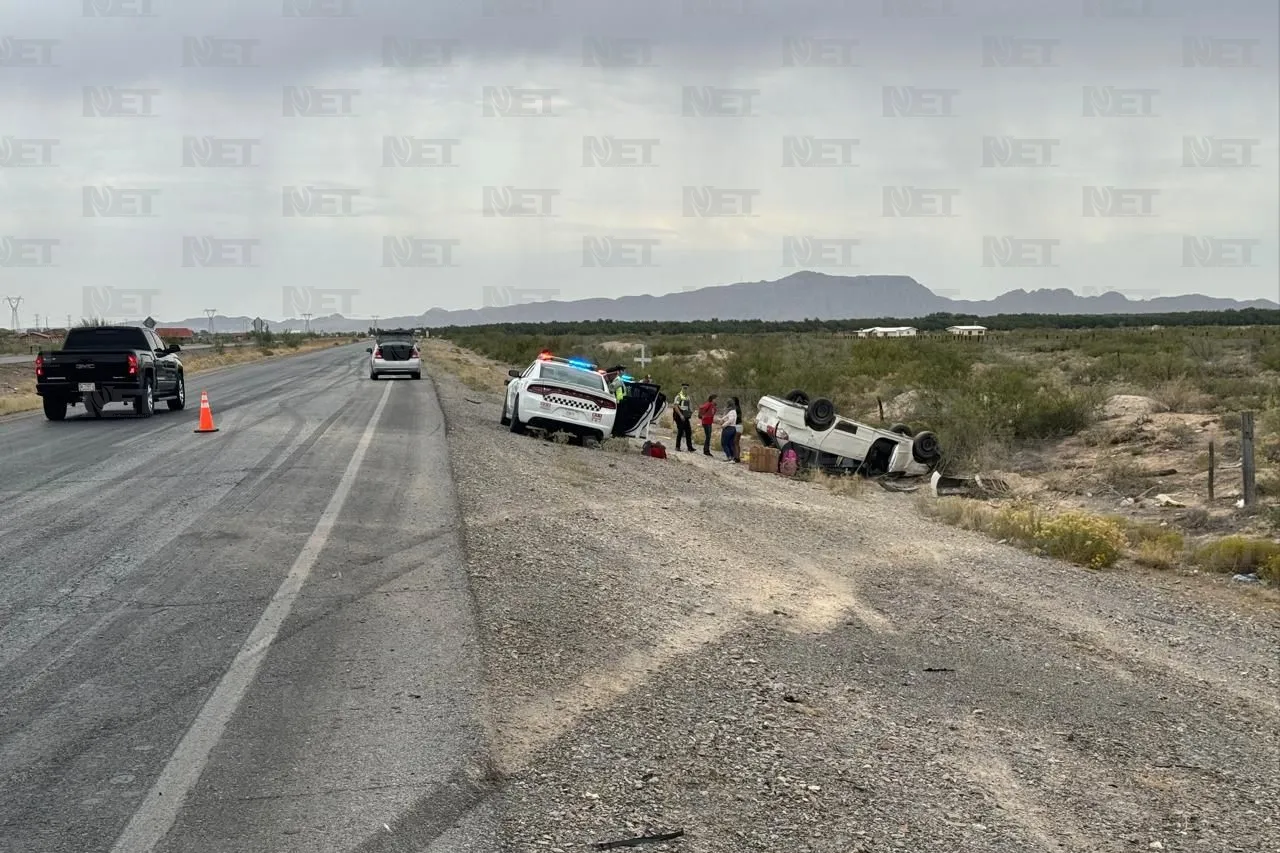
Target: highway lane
{"x": 136, "y": 560}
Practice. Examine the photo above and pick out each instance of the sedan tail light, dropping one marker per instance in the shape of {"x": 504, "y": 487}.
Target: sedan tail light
{"x": 40, "y": 364}
{"x": 133, "y": 364}
{"x": 377, "y": 353}
{"x": 415, "y": 353}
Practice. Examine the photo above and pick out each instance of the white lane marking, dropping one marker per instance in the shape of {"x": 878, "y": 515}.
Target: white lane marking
{"x": 159, "y": 811}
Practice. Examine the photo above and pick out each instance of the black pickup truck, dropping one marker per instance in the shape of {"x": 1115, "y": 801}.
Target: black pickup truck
{"x": 110, "y": 364}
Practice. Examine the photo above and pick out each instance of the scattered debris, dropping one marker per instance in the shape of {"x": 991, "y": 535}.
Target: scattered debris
{"x": 643, "y": 839}
{"x": 976, "y": 486}
{"x": 1252, "y": 577}
{"x": 1165, "y": 500}
{"x": 938, "y": 669}
{"x": 894, "y": 486}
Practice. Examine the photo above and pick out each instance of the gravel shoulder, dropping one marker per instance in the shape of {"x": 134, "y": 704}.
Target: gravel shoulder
{"x": 771, "y": 666}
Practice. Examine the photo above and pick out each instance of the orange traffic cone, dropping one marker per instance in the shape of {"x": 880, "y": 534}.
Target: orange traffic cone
{"x": 206, "y": 414}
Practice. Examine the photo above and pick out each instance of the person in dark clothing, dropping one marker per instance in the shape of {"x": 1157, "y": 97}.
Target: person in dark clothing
{"x": 707, "y": 415}
{"x": 682, "y": 412}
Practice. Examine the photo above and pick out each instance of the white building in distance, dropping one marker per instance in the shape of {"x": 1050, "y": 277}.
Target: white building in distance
{"x": 887, "y": 332}
{"x": 968, "y": 331}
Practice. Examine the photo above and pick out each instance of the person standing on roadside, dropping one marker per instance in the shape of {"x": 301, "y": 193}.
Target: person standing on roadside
{"x": 729, "y": 435}
{"x": 683, "y": 414}
{"x": 707, "y": 415}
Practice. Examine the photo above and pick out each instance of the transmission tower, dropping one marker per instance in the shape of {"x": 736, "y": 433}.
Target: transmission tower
{"x": 14, "y": 302}
{"x": 210, "y": 312}
{"x": 306, "y": 323}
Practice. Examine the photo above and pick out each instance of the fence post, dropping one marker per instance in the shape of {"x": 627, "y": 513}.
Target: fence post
{"x": 1211, "y": 468}
{"x": 1246, "y": 459}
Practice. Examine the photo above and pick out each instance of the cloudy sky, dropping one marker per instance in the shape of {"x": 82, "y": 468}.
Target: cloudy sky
{"x": 379, "y": 157}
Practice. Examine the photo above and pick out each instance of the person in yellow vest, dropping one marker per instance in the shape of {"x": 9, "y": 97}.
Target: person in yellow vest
{"x": 683, "y": 414}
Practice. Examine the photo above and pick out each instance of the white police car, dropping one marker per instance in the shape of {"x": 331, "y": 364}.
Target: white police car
{"x": 560, "y": 395}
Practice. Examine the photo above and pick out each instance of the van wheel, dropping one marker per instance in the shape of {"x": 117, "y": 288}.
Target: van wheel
{"x": 925, "y": 449}
{"x": 798, "y": 397}
{"x": 820, "y": 414}
{"x": 901, "y": 429}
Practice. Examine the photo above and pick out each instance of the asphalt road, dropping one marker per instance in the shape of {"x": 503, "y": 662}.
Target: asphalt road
{"x": 258, "y": 640}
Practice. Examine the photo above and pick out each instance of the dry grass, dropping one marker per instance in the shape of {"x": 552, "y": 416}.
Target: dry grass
{"x": 476, "y": 372}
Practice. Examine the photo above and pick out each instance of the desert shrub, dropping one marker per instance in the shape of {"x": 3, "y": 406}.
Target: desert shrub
{"x": 1270, "y": 569}
{"x": 1087, "y": 540}
{"x": 1000, "y": 405}
{"x": 1080, "y": 538}
{"x": 1236, "y": 554}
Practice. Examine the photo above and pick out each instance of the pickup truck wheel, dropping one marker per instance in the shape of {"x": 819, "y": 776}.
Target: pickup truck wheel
{"x": 820, "y": 414}
{"x": 54, "y": 410}
{"x": 417, "y": 375}
{"x": 925, "y": 449}
{"x": 798, "y": 397}
{"x": 179, "y": 400}
{"x": 144, "y": 405}
{"x": 901, "y": 429}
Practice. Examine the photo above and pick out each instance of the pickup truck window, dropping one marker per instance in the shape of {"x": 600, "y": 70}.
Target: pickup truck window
{"x": 106, "y": 339}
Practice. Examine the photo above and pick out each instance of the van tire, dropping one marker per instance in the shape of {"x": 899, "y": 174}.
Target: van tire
{"x": 820, "y": 414}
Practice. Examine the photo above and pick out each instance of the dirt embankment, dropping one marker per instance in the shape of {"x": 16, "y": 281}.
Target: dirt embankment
{"x": 771, "y": 666}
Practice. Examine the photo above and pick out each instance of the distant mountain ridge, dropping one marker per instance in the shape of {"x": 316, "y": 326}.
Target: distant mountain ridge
{"x": 800, "y": 296}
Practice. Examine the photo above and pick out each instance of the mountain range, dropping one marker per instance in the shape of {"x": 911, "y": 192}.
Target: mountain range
{"x": 800, "y": 296}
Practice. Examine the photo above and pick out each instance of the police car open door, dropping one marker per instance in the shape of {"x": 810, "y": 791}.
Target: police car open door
{"x": 639, "y": 410}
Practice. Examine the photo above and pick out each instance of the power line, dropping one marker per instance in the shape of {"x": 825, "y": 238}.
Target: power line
{"x": 210, "y": 312}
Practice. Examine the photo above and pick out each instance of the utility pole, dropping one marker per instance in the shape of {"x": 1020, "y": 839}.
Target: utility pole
{"x": 68, "y": 322}
{"x": 375, "y": 324}
{"x": 14, "y": 302}
{"x": 210, "y": 312}
{"x": 306, "y": 323}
